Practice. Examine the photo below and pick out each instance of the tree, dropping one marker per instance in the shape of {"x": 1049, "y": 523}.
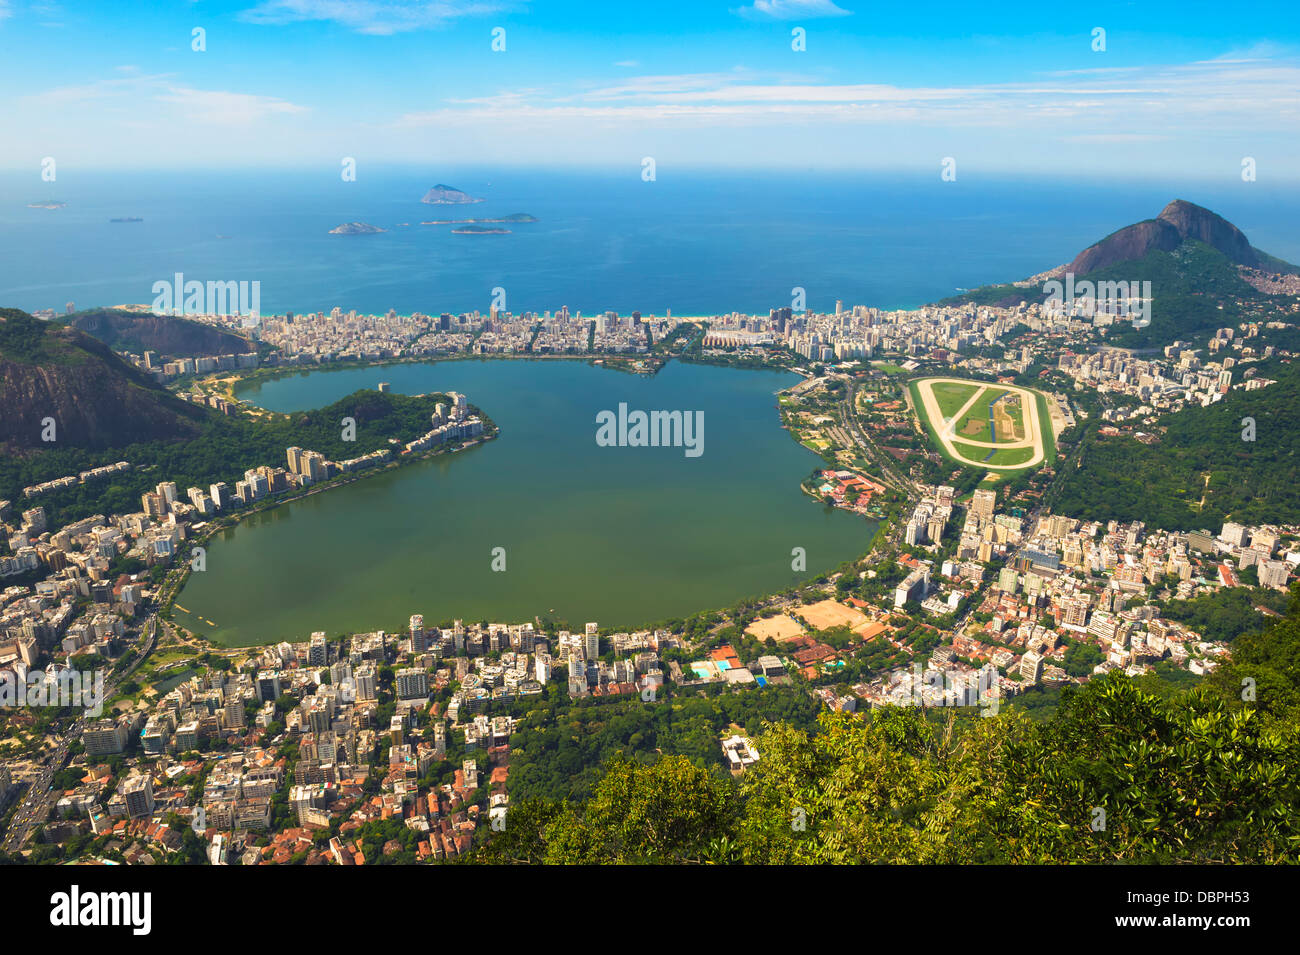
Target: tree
{"x": 1080, "y": 658}
{"x": 669, "y": 811}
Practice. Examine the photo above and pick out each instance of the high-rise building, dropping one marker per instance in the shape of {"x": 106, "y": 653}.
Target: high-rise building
{"x": 412, "y": 683}
{"x": 34, "y": 520}
{"x": 104, "y": 738}
{"x": 1031, "y": 667}
{"x": 234, "y": 713}
{"x": 313, "y": 466}
{"x": 1273, "y": 573}
{"x": 220, "y": 494}
{"x": 1233, "y": 535}
{"x": 1076, "y": 612}
{"x": 982, "y": 504}
{"x": 154, "y": 504}
{"x": 1264, "y": 542}
{"x": 137, "y": 793}
{"x": 1008, "y": 580}
{"x": 268, "y": 685}
{"x": 367, "y": 687}
{"x": 318, "y": 651}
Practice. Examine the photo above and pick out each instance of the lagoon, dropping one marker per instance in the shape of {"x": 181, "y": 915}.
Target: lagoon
{"x": 624, "y": 535}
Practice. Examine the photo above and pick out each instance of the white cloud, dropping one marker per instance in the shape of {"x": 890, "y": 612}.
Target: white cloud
{"x": 1163, "y": 118}
{"x": 791, "y": 10}
{"x": 226, "y": 108}
{"x": 135, "y": 92}
{"x": 1197, "y": 98}
{"x": 379, "y": 17}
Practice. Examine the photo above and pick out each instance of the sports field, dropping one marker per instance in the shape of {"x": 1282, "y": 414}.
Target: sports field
{"x": 1000, "y": 427}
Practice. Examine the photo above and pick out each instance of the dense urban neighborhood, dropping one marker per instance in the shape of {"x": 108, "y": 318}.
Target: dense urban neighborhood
{"x": 981, "y": 591}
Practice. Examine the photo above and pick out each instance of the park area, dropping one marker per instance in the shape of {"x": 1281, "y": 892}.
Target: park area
{"x": 995, "y": 426}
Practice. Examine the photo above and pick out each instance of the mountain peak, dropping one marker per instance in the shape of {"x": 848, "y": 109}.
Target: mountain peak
{"x": 1177, "y": 222}
{"x": 1197, "y": 222}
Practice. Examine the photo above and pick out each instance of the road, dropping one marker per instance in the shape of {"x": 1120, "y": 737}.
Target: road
{"x": 35, "y": 807}
{"x": 887, "y": 469}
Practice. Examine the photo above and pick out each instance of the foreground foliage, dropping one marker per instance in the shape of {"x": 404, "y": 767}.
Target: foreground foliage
{"x": 1117, "y": 774}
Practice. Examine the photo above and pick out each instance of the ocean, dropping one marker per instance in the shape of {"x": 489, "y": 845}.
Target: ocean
{"x": 694, "y": 241}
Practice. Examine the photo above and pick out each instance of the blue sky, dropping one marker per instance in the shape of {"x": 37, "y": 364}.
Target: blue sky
{"x": 1181, "y": 90}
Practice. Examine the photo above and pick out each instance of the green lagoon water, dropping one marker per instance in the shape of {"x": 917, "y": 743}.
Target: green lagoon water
{"x": 620, "y": 535}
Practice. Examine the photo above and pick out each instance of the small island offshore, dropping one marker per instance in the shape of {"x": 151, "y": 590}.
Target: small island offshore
{"x": 52, "y": 204}
{"x": 444, "y": 195}
{"x": 356, "y": 228}
{"x": 478, "y": 230}
{"x": 516, "y": 217}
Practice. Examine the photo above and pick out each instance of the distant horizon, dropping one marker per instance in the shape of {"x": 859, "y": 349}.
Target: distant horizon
{"x": 701, "y": 242}
{"x": 630, "y": 169}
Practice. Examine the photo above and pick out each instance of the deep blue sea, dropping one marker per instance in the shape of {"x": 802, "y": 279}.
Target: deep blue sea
{"x": 698, "y": 241}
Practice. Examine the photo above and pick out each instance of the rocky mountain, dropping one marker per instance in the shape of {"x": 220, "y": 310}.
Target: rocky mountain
{"x": 444, "y": 195}
{"x": 170, "y": 337}
{"x": 96, "y": 400}
{"x": 1178, "y": 221}
{"x": 1203, "y": 271}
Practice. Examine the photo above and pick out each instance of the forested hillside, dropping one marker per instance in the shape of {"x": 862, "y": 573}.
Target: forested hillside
{"x": 1164, "y": 484}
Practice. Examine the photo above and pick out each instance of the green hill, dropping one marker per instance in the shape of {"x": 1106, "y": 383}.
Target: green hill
{"x": 169, "y": 336}
{"x": 106, "y": 410}
{"x": 223, "y": 450}
{"x": 96, "y": 400}
{"x": 1121, "y": 478}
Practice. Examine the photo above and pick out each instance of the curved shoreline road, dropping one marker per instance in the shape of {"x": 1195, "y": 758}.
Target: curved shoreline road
{"x": 944, "y": 429}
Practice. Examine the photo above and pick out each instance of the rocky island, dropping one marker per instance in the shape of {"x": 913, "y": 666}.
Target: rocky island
{"x": 444, "y": 195}
{"x": 515, "y": 217}
{"x": 356, "y": 228}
